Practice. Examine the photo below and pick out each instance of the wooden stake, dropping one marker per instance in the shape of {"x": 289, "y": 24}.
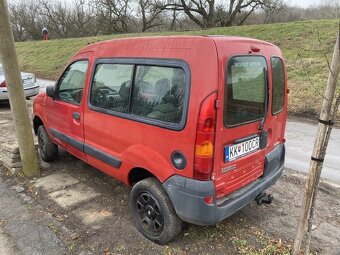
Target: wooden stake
{"x": 319, "y": 150}
{"x": 22, "y": 126}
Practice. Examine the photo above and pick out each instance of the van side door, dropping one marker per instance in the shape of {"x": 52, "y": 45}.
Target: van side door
{"x": 65, "y": 112}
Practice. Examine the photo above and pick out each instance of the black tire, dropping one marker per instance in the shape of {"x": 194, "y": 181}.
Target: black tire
{"x": 48, "y": 151}
{"x": 153, "y": 212}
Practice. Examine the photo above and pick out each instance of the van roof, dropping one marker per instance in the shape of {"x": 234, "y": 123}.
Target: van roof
{"x": 171, "y": 42}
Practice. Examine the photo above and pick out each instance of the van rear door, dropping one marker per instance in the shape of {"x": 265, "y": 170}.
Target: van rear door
{"x": 241, "y": 123}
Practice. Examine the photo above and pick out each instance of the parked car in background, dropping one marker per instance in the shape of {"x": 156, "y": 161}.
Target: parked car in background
{"x": 31, "y": 88}
{"x": 194, "y": 124}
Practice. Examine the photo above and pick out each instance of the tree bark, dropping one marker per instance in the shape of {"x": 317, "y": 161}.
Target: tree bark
{"x": 22, "y": 126}
{"x": 318, "y": 154}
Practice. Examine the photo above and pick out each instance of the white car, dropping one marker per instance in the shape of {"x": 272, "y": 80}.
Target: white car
{"x": 31, "y": 88}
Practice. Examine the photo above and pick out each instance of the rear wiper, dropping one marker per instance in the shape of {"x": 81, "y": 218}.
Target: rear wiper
{"x": 266, "y": 96}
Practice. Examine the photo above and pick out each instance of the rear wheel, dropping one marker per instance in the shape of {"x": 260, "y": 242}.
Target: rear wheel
{"x": 153, "y": 211}
{"x": 48, "y": 151}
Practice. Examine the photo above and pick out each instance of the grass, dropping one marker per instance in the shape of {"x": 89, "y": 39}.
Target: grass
{"x": 304, "y": 45}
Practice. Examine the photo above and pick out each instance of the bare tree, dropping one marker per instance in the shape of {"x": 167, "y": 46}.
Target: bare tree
{"x": 150, "y": 15}
{"x": 206, "y": 13}
{"x": 69, "y": 19}
{"x": 114, "y": 15}
{"x": 202, "y": 12}
{"x": 25, "y": 20}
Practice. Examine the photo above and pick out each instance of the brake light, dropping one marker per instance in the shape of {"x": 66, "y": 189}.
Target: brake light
{"x": 3, "y": 84}
{"x": 205, "y": 139}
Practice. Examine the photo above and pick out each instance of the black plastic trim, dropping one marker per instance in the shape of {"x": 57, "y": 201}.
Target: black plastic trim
{"x": 152, "y": 62}
{"x": 102, "y": 156}
{"x": 67, "y": 139}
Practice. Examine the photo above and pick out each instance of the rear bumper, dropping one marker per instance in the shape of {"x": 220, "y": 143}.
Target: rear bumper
{"x": 187, "y": 195}
{"x": 28, "y": 92}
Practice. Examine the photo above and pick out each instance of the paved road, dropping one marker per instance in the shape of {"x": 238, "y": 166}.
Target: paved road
{"x": 300, "y": 140}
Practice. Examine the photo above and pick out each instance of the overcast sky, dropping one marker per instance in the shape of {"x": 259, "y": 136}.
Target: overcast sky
{"x": 302, "y": 3}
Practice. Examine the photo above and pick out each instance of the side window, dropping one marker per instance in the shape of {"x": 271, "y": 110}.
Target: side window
{"x": 278, "y": 85}
{"x": 71, "y": 84}
{"x": 111, "y": 87}
{"x": 158, "y": 93}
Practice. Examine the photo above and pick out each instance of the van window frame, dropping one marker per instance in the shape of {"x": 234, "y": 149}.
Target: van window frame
{"x": 161, "y": 62}
{"x": 266, "y": 96}
{"x": 57, "y": 84}
{"x": 284, "y": 85}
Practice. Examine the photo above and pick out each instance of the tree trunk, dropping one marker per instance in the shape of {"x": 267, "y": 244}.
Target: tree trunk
{"x": 319, "y": 146}
{"x": 22, "y": 126}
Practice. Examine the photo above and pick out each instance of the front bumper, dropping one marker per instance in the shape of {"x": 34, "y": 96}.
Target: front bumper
{"x": 28, "y": 92}
{"x": 187, "y": 195}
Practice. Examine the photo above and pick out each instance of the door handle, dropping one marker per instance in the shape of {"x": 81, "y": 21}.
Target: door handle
{"x": 76, "y": 115}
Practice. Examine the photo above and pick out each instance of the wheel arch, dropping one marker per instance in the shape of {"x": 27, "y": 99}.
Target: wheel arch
{"x": 36, "y": 123}
{"x": 137, "y": 174}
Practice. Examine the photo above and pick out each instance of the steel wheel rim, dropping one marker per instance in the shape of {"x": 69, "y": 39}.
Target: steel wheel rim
{"x": 149, "y": 213}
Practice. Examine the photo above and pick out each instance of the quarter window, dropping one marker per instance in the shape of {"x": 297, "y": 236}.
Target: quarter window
{"x": 278, "y": 85}
{"x": 245, "y": 90}
{"x": 71, "y": 84}
{"x": 157, "y": 91}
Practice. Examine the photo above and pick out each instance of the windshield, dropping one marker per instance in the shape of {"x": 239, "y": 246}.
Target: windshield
{"x": 245, "y": 90}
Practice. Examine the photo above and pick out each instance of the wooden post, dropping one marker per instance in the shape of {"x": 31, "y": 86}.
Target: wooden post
{"x": 319, "y": 150}
{"x": 22, "y": 126}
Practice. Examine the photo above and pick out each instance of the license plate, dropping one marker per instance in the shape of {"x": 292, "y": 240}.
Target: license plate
{"x": 241, "y": 149}
{"x": 27, "y": 80}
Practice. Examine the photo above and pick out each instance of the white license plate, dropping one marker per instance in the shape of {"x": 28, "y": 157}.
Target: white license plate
{"x": 240, "y": 149}
{"x": 27, "y": 80}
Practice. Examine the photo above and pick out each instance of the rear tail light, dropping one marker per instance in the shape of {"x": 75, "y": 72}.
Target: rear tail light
{"x": 3, "y": 84}
{"x": 205, "y": 139}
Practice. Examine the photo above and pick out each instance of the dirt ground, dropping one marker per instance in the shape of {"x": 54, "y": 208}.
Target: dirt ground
{"x": 90, "y": 211}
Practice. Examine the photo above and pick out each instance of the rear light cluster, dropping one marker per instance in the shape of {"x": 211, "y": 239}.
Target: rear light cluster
{"x": 3, "y": 84}
{"x": 205, "y": 139}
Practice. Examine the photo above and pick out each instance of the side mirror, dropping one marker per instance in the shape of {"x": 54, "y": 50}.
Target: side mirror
{"x": 50, "y": 91}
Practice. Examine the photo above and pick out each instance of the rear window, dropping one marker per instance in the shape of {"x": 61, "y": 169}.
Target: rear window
{"x": 245, "y": 90}
{"x": 278, "y": 85}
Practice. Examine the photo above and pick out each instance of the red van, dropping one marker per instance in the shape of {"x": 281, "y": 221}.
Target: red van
{"x": 195, "y": 124}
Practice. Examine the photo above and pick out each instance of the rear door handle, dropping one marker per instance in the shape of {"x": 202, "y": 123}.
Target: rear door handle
{"x": 76, "y": 115}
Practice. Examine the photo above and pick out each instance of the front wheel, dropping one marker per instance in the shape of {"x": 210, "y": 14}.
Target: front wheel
{"x": 153, "y": 211}
{"x": 48, "y": 151}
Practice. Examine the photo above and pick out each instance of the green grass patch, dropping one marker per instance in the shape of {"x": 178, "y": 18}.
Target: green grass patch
{"x": 304, "y": 45}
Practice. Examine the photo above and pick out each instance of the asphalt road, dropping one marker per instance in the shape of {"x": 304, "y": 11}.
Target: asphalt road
{"x": 300, "y": 140}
